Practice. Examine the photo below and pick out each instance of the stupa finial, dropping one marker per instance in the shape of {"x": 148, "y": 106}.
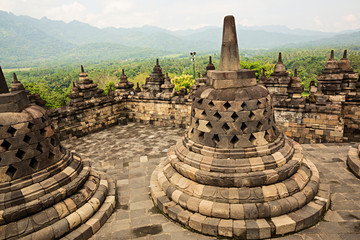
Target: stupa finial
{"x": 332, "y": 55}
{"x": 345, "y": 54}
{"x": 3, "y": 86}
{"x": 229, "y": 59}
{"x": 295, "y": 72}
{"x": 15, "y": 78}
{"x": 280, "y": 58}
{"x": 210, "y": 60}
{"x": 82, "y": 68}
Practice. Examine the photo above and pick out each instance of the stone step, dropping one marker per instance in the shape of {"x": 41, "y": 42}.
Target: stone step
{"x": 36, "y": 200}
{"x": 257, "y": 228}
{"x": 39, "y": 225}
{"x": 92, "y": 225}
{"x": 254, "y": 177}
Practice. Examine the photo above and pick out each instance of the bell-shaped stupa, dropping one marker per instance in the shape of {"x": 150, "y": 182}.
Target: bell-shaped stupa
{"x": 234, "y": 174}
{"x": 46, "y": 191}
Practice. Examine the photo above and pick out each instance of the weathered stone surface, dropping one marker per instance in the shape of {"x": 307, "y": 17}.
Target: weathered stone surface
{"x": 44, "y": 188}
{"x": 233, "y": 162}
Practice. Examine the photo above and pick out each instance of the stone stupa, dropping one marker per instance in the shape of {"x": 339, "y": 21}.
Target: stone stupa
{"x": 330, "y": 79}
{"x": 123, "y": 87}
{"x": 46, "y": 191}
{"x": 85, "y": 89}
{"x": 234, "y": 174}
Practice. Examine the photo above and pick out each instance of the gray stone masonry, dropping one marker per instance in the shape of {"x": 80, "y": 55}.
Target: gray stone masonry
{"x": 130, "y": 153}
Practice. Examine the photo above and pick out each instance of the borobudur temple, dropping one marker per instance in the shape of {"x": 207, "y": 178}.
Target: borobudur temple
{"x": 234, "y": 174}
{"x": 46, "y": 191}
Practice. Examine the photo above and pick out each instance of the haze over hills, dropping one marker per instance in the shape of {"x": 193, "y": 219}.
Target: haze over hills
{"x": 27, "y": 41}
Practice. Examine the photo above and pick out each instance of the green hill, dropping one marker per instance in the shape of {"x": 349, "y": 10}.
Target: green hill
{"x": 29, "y": 42}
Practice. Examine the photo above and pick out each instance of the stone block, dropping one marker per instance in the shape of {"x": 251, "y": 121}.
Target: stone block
{"x": 193, "y": 204}
{"x": 264, "y": 228}
{"x": 250, "y": 211}
{"x": 284, "y": 224}
{"x": 237, "y": 211}
{"x": 94, "y": 223}
{"x": 174, "y": 211}
{"x": 25, "y": 226}
{"x": 39, "y": 220}
{"x": 85, "y": 212}
{"x": 184, "y": 217}
{"x": 74, "y": 220}
{"x": 270, "y": 192}
{"x": 205, "y": 207}
{"x": 210, "y": 226}
{"x": 183, "y": 200}
{"x": 220, "y": 210}
{"x": 239, "y": 229}
{"x": 225, "y": 227}
{"x": 263, "y": 210}
{"x": 45, "y": 233}
{"x": 252, "y": 229}
{"x": 196, "y": 221}
{"x": 60, "y": 228}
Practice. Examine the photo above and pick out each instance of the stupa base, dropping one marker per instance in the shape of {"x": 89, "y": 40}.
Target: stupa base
{"x": 75, "y": 210}
{"x": 353, "y": 161}
{"x": 177, "y": 207}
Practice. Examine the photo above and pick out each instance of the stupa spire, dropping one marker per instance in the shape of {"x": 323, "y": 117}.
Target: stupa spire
{"x": 229, "y": 59}
{"x": 210, "y": 65}
{"x": 15, "y": 78}
{"x": 280, "y": 58}
{"x": 295, "y": 72}
{"x": 82, "y": 68}
{"x": 345, "y": 54}
{"x": 332, "y": 55}
{"x": 3, "y": 86}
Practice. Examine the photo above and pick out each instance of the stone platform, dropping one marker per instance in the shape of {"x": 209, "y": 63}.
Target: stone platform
{"x": 129, "y": 154}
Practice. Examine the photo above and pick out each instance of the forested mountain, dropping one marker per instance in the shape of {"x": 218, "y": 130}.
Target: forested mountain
{"x": 29, "y": 42}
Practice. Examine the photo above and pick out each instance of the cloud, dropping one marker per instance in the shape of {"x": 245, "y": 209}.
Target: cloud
{"x": 350, "y": 21}
{"x": 350, "y": 18}
{"x": 68, "y": 12}
{"x": 317, "y": 21}
{"x": 244, "y": 22}
{"x": 114, "y": 7}
{"x": 187, "y": 14}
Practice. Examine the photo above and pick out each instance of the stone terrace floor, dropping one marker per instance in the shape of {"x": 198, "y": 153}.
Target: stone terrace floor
{"x": 130, "y": 153}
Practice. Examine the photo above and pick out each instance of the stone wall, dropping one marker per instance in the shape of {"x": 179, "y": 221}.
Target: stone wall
{"x": 159, "y": 112}
{"x": 351, "y": 115}
{"x": 91, "y": 116}
{"x": 86, "y": 117}
{"x": 332, "y": 122}
{"x": 310, "y": 127}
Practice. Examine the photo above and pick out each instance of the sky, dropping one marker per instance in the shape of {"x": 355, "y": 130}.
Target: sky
{"x": 320, "y": 15}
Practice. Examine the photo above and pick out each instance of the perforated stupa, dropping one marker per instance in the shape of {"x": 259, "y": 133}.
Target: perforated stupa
{"x": 234, "y": 174}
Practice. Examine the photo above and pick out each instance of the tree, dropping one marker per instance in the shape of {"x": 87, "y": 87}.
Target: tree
{"x": 183, "y": 81}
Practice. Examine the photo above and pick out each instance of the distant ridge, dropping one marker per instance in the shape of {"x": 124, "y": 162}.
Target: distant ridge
{"x": 26, "y": 41}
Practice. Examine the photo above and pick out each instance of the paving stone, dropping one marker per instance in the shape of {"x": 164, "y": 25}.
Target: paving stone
{"x": 135, "y": 149}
